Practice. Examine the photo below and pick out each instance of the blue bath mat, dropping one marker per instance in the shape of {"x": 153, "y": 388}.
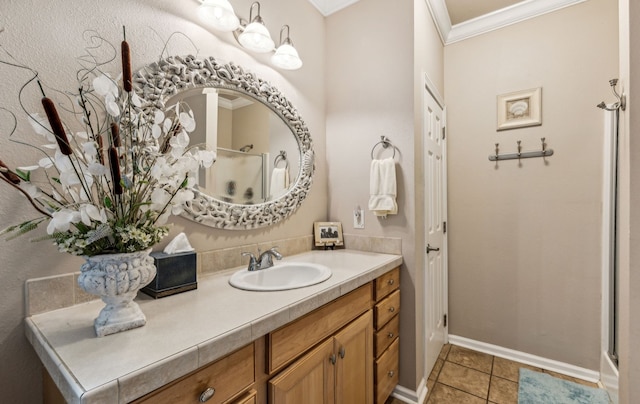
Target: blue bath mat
{"x": 541, "y": 388}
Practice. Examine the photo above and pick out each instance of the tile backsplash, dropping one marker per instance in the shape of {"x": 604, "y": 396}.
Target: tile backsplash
{"x": 56, "y": 292}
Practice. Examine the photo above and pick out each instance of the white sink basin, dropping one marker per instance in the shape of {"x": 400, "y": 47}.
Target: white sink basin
{"x": 281, "y": 276}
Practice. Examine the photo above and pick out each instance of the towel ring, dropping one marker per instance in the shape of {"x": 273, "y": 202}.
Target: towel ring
{"x": 386, "y": 143}
{"x": 281, "y": 157}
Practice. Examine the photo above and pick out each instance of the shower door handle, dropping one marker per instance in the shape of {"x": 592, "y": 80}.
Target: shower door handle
{"x": 429, "y": 248}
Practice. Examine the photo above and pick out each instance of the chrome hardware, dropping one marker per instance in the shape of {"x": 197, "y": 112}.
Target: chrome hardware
{"x": 429, "y": 248}
{"x": 207, "y": 394}
{"x": 264, "y": 260}
{"x": 332, "y": 358}
{"x": 392, "y": 309}
{"x": 622, "y": 98}
{"x": 341, "y": 352}
{"x": 391, "y": 373}
{"x": 391, "y": 281}
{"x": 391, "y": 335}
{"x": 253, "y": 263}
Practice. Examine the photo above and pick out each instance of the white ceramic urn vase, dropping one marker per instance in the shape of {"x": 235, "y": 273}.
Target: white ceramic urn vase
{"x": 116, "y": 278}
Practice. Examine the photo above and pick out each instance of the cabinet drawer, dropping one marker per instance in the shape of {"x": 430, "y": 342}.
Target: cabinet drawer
{"x": 249, "y": 398}
{"x": 386, "y": 335}
{"x": 228, "y": 377}
{"x": 387, "y": 283}
{"x": 387, "y": 372}
{"x": 386, "y": 309}
{"x": 295, "y": 338}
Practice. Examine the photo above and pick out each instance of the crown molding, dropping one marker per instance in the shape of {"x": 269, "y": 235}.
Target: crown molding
{"x": 498, "y": 19}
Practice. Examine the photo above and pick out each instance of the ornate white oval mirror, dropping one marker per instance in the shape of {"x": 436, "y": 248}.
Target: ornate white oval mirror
{"x": 264, "y": 163}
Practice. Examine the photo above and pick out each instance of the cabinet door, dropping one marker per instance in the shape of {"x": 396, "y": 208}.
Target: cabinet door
{"x": 309, "y": 380}
{"x": 354, "y": 366}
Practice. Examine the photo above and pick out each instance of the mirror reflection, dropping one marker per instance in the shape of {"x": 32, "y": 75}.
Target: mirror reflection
{"x": 257, "y": 154}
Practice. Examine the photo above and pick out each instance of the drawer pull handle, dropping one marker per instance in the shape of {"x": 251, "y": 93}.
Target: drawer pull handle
{"x": 392, "y": 309}
{"x": 391, "y": 373}
{"x": 341, "y": 352}
{"x": 332, "y": 358}
{"x": 391, "y": 281}
{"x": 391, "y": 335}
{"x": 207, "y": 394}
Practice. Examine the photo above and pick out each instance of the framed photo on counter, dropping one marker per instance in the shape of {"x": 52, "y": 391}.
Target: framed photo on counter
{"x": 328, "y": 234}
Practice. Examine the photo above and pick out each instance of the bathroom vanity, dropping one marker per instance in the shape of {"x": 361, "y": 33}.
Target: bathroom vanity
{"x": 220, "y": 344}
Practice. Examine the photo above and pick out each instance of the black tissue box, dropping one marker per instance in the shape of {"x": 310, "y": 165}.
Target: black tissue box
{"x": 176, "y": 273}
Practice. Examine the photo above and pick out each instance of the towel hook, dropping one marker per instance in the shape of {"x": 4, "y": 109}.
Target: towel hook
{"x": 386, "y": 143}
{"x": 622, "y": 98}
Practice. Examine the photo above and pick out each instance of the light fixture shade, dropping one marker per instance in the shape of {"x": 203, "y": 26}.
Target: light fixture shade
{"x": 286, "y": 57}
{"x": 256, "y": 37}
{"x": 219, "y": 14}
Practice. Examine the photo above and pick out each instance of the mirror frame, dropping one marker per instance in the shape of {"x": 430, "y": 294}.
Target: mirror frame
{"x": 157, "y": 82}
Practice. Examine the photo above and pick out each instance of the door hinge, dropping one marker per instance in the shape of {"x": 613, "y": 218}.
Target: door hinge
{"x": 444, "y": 227}
{"x": 444, "y": 132}
{"x": 445, "y": 320}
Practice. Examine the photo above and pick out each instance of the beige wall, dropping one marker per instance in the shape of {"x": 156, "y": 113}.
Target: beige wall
{"x": 48, "y": 37}
{"x": 524, "y": 242}
{"x": 629, "y": 348}
{"x": 372, "y": 52}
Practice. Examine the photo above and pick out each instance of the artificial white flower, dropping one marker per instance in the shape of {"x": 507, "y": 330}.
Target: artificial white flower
{"x": 206, "y": 158}
{"x": 97, "y": 169}
{"x": 104, "y": 85}
{"x": 187, "y": 121}
{"x": 110, "y": 104}
{"x": 90, "y": 212}
{"x": 41, "y": 126}
{"x": 61, "y": 220}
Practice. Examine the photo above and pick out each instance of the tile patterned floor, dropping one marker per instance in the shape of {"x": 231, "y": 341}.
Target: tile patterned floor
{"x": 463, "y": 376}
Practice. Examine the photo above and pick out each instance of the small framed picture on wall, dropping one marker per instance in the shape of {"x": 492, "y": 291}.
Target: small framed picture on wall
{"x": 520, "y": 109}
{"x": 328, "y": 234}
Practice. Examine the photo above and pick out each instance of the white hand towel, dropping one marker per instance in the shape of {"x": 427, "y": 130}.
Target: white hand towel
{"x": 279, "y": 181}
{"x": 382, "y": 187}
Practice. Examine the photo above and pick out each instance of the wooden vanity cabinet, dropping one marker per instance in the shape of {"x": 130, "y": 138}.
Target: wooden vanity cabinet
{"x": 344, "y": 352}
{"x": 387, "y": 341}
{"x": 339, "y": 370}
{"x": 327, "y": 354}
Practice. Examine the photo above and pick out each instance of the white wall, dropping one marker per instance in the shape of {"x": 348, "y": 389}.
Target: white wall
{"x": 524, "y": 240}
{"x": 376, "y": 56}
{"x": 48, "y": 36}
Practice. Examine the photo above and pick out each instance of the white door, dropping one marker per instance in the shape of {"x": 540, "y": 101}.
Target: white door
{"x": 435, "y": 228}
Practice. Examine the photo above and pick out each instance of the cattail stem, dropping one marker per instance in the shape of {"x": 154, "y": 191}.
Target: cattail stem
{"x": 56, "y": 126}
{"x": 29, "y": 198}
{"x": 100, "y": 149}
{"x": 115, "y": 135}
{"x": 115, "y": 171}
{"x": 8, "y": 174}
{"x": 126, "y": 64}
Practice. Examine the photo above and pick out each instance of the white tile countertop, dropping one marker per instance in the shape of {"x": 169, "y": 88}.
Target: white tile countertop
{"x": 183, "y": 332}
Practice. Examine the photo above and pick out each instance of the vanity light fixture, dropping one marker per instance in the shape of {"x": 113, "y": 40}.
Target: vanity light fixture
{"x": 286, "y": 56}
{"x": 219, "y": 14}
{"x": 255, "y": 36}
{"x": 252, "y": 35}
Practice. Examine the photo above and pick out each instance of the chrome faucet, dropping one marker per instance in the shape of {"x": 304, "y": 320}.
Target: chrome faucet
{"x": 264, "y": 260}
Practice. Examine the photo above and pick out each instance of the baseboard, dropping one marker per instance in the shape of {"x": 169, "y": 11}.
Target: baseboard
{"x": 523, "y": 357}
{"x": 409, "y": 396}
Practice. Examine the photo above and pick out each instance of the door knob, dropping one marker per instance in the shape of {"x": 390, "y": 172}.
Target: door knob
{"x": 429, "y": 248}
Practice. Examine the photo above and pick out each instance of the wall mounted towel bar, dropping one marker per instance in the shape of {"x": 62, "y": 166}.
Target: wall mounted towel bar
{"x": 385, "y": 143}
{"x": 544, "y": 152}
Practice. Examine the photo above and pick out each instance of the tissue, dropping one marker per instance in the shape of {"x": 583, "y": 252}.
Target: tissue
{"x": 179, "y": 244}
